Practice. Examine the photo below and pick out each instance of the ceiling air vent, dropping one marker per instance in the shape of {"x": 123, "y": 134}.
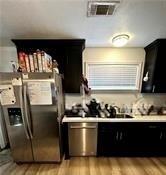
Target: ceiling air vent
{"x": 102, "y": 8}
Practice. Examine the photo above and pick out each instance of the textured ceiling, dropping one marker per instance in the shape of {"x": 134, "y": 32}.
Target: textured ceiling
{"x": 143, "y": 20}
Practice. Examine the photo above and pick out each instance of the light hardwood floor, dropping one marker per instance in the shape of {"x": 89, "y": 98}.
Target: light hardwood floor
{"x": 91, "y": 166}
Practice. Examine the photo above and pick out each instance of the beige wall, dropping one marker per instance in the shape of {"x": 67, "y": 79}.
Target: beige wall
{"x": 113, "y": 54}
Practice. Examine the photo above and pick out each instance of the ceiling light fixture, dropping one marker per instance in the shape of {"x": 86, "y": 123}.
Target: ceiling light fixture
{"x": 120, "y": 40}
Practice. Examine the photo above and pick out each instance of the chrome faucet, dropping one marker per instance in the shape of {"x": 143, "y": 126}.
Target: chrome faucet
{"x": 117, "y": 109}
{"x": 145, "y": 111}
{"x": 141, "y": 112}
{"x": 151, "y": 108}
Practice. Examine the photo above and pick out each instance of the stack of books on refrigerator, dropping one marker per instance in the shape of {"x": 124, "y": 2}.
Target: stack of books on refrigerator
{"x": 39, "y": 61}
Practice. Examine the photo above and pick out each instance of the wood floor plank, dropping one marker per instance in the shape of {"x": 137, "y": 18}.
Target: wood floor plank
{"x": 20, "y": 169}
{"x": 132, "y": 166}
{"x": 84, "y": 166}
{"x": 94, "y": 166}
{"x": 161, "y": 166}
{"x": 115, "y": 167}
{"x": 149, "y": 166}
{"x": 48, "y": 169}
{"x": 91, "y": 166}
{"x": 162, "y": 160}
{"x": 74, "y": 166}
{"x": 104, "y": 166}
{"x": 126, "y": 167}
{"x": 63, "y": 167}
{"x": 33, "y": 169}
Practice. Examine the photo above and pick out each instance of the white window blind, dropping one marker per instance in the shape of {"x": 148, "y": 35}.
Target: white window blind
{"x": 113, "y": 76}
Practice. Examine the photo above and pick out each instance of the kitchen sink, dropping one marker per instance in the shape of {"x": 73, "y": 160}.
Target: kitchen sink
{"x": 123, "y": 116}
{"x": 81, "y": 116}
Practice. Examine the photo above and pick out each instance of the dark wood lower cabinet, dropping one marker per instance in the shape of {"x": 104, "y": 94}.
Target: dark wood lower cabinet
{"x": 132, "y": 139}
{"x": 107, "y": 138}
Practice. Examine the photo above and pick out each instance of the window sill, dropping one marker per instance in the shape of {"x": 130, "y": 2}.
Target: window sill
{"x": 115, "y": 91}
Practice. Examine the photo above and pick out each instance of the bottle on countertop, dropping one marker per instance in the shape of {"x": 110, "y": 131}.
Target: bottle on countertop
{"x": 130, "y": 109}
{"x": 123, "y": 109}
{"x": 55, "y": 66}
{"x": 102, "y": 114}
{"x": 106, "y": 111}
{"x": 112, "y": 112}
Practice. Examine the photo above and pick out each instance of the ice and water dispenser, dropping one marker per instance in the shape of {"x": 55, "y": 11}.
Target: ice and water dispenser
{"x": 15, "y": 116}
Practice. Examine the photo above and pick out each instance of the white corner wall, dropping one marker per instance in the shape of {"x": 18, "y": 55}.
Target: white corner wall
{"x": 7, "y": 54}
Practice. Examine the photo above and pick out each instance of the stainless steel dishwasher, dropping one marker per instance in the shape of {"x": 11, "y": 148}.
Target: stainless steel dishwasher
{"x": 82, "y": 139}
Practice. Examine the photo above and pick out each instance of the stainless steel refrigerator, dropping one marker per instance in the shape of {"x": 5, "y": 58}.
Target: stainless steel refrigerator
{"x": 33, "y": 106}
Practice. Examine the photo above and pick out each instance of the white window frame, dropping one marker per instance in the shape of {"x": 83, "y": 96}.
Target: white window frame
{"x": 138, "y": 76}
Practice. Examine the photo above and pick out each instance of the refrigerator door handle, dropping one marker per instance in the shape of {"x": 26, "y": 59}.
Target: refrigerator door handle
{"x": 26, "y": 110}
{"x": 23, "y": 117}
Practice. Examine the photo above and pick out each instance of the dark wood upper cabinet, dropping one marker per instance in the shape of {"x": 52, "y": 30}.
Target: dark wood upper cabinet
{"x": 67, "y": 52}
{"x": 155, "y": 68}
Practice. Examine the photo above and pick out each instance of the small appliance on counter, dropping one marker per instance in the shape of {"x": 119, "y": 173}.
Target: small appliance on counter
{"x": 94, "y": 107}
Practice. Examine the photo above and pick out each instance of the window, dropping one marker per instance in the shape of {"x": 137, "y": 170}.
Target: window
{"x": 108, "y": 76}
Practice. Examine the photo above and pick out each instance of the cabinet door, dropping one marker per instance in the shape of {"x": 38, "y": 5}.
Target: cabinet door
{"x": 152, "y": 140}
{"x": 73, "y": 70}
{"x": 131, "y": 141}
{"x": 160, "y": 70}
{"x": 163, "y": 140}
{"x": 149, "y": 69}
{"x": 107, "y": 140}
{"x": 144, "y": 139}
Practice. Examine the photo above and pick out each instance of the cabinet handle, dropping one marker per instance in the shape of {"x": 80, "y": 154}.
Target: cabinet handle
{"x": 153, "y": 88}
{"x": 161, "y": 135}
{"x": 82, "y": 127}
{"x": 152, "y": 127}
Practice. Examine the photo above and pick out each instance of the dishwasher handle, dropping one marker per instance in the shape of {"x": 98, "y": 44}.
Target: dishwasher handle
{"x": 83, "y": 127}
